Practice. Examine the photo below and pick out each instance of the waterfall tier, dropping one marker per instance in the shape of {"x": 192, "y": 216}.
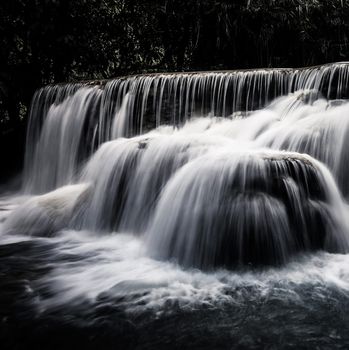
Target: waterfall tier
{"x": 216, "y": 169}
{"x": 68, "y": 122}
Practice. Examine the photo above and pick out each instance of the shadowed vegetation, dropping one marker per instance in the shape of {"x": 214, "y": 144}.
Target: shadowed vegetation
{"x": 46, "y": 41}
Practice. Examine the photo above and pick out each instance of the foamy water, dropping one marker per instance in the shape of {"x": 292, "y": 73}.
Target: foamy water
{"x": 139, "y": 223}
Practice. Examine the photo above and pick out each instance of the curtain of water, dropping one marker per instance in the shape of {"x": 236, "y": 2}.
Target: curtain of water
{"x": 68, "y": 122}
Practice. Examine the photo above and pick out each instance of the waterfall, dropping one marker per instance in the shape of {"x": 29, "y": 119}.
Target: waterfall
{"x": 257, "y": 208}
{"x": 212, "y": 169}
{"x": 60, "y": 144}
{"x": 128, "y": 106}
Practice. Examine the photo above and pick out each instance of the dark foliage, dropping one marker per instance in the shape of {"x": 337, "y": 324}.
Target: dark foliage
{"x": 45, "y": 41}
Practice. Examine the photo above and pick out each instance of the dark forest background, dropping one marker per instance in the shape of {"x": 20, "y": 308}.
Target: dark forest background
{"x": 47, "y": 41}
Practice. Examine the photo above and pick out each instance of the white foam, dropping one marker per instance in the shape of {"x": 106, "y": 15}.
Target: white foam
{"x": 116, "y": 266}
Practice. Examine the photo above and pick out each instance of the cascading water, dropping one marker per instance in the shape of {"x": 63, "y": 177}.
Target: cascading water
{"x": 85, "y": 116}
{"x": 165, "y": 189}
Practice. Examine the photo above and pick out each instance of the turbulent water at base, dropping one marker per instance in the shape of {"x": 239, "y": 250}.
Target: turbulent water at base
{"x": 201, "y": 207}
